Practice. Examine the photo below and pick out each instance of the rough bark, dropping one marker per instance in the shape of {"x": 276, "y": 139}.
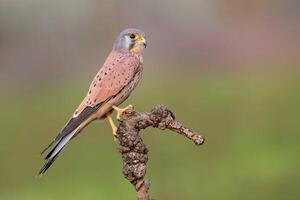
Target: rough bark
{"x": 134, "y": 152}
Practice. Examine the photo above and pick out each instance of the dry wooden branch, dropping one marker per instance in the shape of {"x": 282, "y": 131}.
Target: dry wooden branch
{"x": 134, "y": 151}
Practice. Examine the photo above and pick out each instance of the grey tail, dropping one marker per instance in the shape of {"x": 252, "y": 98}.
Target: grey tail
{"x": 68, "y": 132}
{"x": 72, "y": 124}
{"x": 52, "y": 155}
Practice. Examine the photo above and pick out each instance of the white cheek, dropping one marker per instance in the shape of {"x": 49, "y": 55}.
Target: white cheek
{"x": 141, "y": 59}
{"x": 127, "y": 43}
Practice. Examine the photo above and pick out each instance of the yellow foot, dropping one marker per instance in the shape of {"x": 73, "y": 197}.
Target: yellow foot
{"x": 121, "y": 110}
{"x": 113, "y": 126}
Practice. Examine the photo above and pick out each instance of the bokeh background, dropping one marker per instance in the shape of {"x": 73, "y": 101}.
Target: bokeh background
{"x": 228, "y": 69}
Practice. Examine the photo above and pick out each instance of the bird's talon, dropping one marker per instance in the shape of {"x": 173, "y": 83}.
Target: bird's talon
{"x": 121, "y": 110}
{"x": 114, "y": 131}
{"x": 115, "y": 138}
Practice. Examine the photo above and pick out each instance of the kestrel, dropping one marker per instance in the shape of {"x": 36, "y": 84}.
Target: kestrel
{"x": 112, "y": 85}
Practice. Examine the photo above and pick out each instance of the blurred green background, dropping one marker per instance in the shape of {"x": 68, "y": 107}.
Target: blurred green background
{"x": 227, "y": 69}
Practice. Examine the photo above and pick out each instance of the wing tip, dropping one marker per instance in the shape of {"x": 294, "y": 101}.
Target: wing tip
{"x": 48, "y": 163}
{"x": 49, "y": 145}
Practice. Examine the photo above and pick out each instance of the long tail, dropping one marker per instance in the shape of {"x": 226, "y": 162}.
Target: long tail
{"x": 74, "y": 126}
{"x": 52, "y": 155}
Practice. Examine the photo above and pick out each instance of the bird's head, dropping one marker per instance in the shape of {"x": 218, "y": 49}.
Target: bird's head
{"x": 131, "y": 40}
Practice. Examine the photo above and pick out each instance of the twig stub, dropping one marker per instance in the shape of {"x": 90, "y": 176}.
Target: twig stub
{"x": 134, "y": 151}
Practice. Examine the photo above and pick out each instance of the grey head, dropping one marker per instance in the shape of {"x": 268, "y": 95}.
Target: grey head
{"x": 130, "y": 40}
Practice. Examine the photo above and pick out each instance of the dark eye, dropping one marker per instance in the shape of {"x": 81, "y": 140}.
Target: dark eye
{"x": 132, "y": 36}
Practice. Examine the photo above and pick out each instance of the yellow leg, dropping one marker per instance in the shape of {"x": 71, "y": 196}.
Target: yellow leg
{"x": 113, "y": 126}
{"x": 121, "y": 110}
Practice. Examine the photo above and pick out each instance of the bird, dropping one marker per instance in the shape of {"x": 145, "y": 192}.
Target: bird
{"x": 112, "y": 85}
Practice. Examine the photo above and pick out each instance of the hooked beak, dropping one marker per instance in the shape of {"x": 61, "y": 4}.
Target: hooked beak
{"x": 143, "y": 42}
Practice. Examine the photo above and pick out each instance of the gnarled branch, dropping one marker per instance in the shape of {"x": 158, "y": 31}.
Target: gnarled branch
{"x": 134, "y": 151}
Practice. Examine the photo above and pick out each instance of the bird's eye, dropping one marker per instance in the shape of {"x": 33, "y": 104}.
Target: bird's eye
{"x": 132, "y": 36}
